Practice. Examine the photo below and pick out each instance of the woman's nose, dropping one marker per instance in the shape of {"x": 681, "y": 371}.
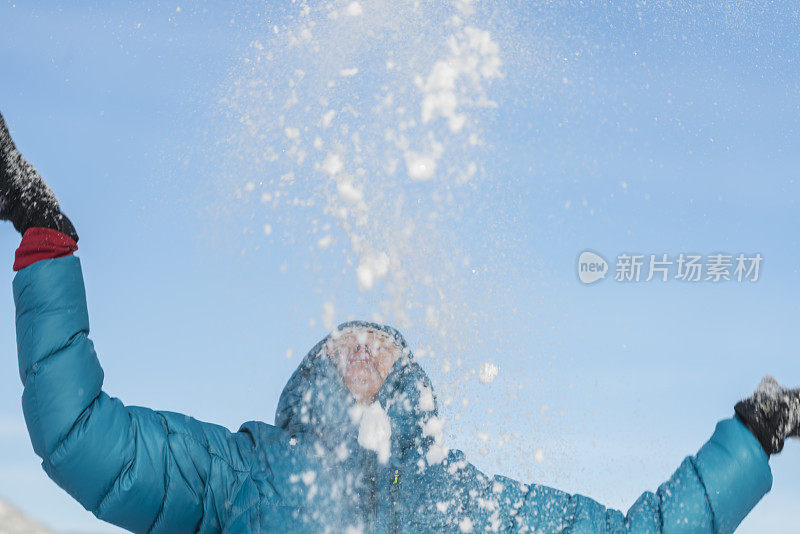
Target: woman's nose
{"x": 361, "y": 350}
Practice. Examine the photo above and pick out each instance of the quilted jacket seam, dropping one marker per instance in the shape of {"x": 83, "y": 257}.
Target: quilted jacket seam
{"x": 705, "y": 494}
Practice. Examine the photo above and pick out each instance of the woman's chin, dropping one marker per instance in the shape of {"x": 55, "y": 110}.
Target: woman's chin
{"x": 363, "y": 388}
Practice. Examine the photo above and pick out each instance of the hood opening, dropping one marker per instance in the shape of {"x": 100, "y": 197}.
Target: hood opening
{"x": 316, "y": 401}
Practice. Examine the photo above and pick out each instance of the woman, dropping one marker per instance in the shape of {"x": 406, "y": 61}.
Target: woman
{"x": 356, "y": 445}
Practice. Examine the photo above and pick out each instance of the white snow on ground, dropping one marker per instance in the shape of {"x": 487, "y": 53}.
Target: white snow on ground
{"x": 13, "y": 521}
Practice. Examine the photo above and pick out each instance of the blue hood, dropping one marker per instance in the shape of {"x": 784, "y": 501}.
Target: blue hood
{"x": 316, "y": 402}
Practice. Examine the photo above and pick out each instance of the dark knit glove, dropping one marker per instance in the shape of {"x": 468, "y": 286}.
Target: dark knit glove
{"x": 772, "y": 414}
{"x": 25, "y": 198}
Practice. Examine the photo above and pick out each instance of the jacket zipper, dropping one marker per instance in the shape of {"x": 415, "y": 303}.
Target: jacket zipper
{"x": 373, "y": 502}
{"x": 395, "y": 488}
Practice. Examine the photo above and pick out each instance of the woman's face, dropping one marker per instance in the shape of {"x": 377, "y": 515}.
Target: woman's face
{"x": 364, "y": 357}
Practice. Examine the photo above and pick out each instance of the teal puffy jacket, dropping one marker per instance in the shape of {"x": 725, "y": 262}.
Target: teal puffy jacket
{"x": 150, "y": 471}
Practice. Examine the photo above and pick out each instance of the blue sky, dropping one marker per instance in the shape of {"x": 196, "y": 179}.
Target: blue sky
{"x": 638, "y": 129}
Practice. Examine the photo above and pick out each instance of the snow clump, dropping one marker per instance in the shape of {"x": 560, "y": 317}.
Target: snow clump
{"x": 374, "y": 429}
{"x": 488, "y": 372}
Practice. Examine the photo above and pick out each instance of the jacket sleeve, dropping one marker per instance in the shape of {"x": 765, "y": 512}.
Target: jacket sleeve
{"x": 711, "y": 492}
{"x": 140, "y": 469}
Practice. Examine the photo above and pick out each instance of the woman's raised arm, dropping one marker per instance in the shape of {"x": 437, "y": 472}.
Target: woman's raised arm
{"x": 143, "y": 470}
